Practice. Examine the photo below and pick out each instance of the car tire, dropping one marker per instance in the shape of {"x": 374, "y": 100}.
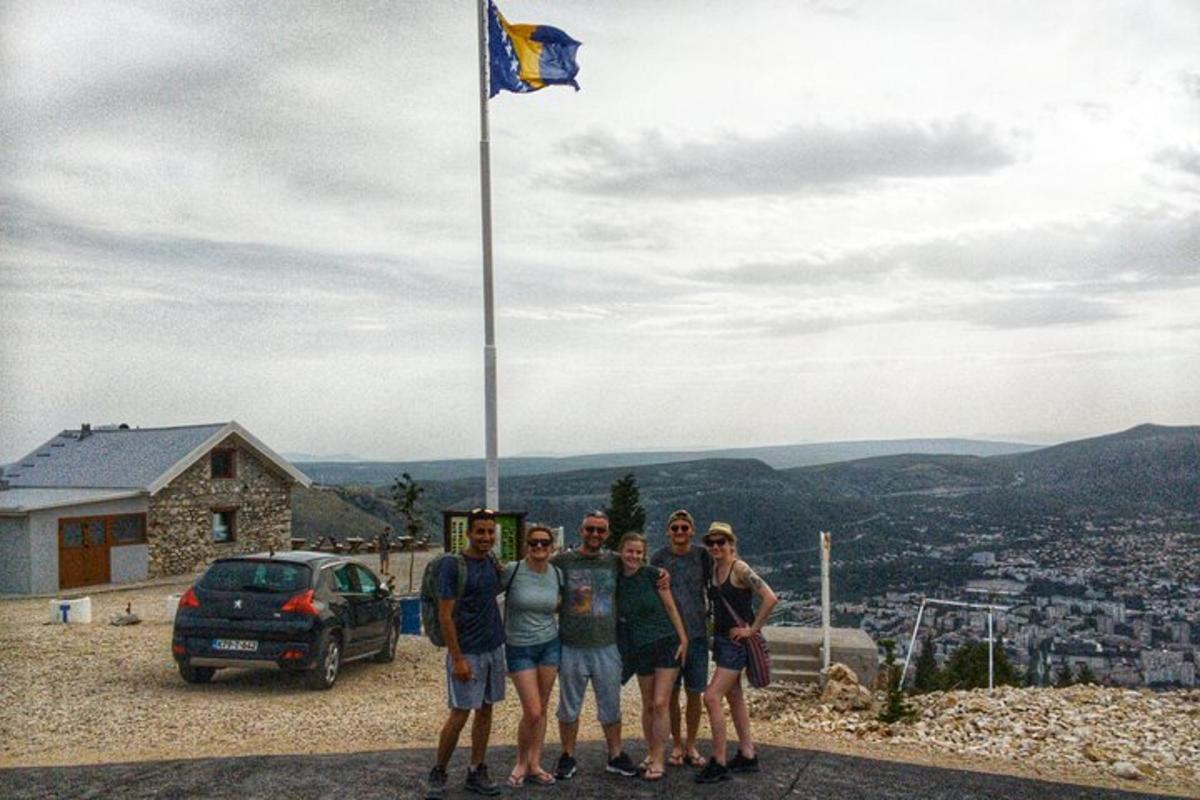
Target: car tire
{"x": 329, "y": 663}
{"x": 388, "y": 654}
{"x": 196, "y": 674}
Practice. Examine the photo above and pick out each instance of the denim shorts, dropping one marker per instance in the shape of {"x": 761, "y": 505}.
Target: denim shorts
{"x": 728, "y": 653}
{"x": 521, "y": 656}
{"x": 694, "y": 675}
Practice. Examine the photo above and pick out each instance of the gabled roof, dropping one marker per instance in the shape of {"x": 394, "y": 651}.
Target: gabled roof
{"x": 145, "y": 459}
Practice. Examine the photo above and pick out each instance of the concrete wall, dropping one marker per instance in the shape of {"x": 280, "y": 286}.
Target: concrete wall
{"x": 43, "y": 538}
{"x": 129, "y": 562}
{"x": 14, "y": 555}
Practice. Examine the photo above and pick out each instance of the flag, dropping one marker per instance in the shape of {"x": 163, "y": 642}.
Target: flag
{"x": 525, "y": 58}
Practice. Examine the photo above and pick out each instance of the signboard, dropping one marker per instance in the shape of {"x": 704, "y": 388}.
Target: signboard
{"x": 510, "y": 533}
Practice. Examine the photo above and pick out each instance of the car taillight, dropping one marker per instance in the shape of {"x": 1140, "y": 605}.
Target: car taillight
{"x": 302, "y": 604}
{"x": 292, "y": 655}
{"x": 189, "y": 599}
{"x": 179, "y": 649}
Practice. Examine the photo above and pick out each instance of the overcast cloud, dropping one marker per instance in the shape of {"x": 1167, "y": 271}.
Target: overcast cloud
{"x": 830, "y": 220}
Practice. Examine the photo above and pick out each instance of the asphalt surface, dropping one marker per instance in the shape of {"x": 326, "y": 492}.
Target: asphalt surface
{"x": 786, "y": 773}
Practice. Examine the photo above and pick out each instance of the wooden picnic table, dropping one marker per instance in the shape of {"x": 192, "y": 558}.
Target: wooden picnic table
{"x": 298, "y": 544}
{"x": 354, "y": 542}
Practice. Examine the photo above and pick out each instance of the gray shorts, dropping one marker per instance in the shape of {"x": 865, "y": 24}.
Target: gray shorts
{"x": 602, "y": 665}
{"x": 486, "y": 684}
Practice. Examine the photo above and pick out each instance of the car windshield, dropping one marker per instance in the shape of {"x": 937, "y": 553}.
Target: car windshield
{"x": 255, "y": 576}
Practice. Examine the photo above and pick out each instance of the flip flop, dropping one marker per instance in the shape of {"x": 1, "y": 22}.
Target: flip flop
{"x": 695, "y": 761}
{"x": 542, "y": 778}
{"x": 516, "y": 781}
{"x": 675, "y": 760}
{"x": 651, "y": 774}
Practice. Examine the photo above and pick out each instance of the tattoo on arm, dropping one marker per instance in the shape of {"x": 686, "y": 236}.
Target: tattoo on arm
{"x": 751, "y": 579}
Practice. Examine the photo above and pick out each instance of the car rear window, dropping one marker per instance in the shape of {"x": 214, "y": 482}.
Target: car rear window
{"x": 262, "y": 576}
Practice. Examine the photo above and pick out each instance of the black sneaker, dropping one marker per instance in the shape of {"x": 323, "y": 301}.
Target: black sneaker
{"x": 566, "y": 767}
{"x": 437, "y": 784}
{"x": 713, "y": 772}
{"x": 479, "y": 782}
{"x": 739, "y": 763}
{"x": 622, "y": 765}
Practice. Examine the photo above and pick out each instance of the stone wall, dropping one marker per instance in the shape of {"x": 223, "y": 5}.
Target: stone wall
{"x": 179, "y": 522}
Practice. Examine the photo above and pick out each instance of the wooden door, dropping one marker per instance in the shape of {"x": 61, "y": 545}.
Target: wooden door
{"x": 82, "y": 553}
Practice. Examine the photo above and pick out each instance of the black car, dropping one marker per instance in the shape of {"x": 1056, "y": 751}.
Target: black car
{"x": 296, "y": 611}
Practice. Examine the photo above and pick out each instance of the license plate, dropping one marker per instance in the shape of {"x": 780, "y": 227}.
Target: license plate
{"x": 239, "y": 645}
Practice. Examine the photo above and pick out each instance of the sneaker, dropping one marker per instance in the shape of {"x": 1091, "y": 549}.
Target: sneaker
{"x": 566, "y": 767}
{"x": 713, "y": 772}
{"x": 622, "y": 765}
{"x": 479, "y": 782}
{"x": 739, "y": 763}
{"x": 437, "y": 784}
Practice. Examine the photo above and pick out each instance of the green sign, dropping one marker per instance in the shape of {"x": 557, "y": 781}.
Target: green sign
{"x": 510, "y": 527}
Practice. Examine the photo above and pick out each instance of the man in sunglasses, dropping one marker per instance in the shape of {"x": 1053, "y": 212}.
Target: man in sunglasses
{"x": 690, "y": 568}
{"x": 588, "y": 632}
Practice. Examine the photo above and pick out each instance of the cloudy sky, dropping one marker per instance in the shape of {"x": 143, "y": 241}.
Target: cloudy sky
{"x": 758, "y": 222}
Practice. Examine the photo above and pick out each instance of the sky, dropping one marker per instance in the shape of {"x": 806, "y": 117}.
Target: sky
{"x": 757, "y": 223}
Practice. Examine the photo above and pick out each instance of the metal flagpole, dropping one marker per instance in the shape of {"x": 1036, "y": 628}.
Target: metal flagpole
{"x": 492, "y": 469}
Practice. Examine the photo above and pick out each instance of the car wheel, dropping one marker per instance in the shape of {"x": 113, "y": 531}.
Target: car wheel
{"x": 388, "y": 654}
{"x": 329, "y": 663}
{"x": 197, "y": 674}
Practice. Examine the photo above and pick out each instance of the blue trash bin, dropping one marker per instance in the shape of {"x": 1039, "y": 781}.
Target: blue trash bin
{"x": 410, "y": 616}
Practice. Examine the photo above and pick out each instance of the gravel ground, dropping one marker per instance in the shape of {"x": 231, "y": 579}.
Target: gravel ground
{"x": 91, "y": 694}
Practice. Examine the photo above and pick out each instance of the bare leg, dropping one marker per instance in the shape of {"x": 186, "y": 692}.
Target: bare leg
{"x": 448, "y": 739}
{"x": 662, "y": 682}
{"x": 722, "y": 681}
{"x": 677, "y": 750}
{"x": 567, "y": 733}
{"x": 481, "y": 731}
{"x": 741, "y": 718}
{"x": 545, "y": 680}
{"x": 532, "y": 716}
{"x": 695, "y": 703}
{"x": 646, "y": 686}
{"x": 612, "y": 736}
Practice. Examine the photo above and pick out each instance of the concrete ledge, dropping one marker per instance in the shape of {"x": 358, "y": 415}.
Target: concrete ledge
{"x": 850, "y": 646}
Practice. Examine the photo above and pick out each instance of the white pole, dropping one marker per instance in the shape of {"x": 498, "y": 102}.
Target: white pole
{"x": 991, "y": 659}
{"x": 826, "y": 647}
{"x": 912, "y": 643}
{"x": 492, "y": 468}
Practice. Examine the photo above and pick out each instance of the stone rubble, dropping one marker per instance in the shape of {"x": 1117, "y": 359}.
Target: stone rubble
{"x": 1092, "y": 730}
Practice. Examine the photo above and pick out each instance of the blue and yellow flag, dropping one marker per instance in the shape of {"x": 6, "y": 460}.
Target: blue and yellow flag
{"x": 525, "y": 58}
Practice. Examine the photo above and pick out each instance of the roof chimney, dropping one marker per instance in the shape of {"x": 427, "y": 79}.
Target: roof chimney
{"x": 85, "y": 430}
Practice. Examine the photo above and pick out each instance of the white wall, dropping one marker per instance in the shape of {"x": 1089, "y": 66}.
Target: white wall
{"x": 14, "y": 555}
{"x": 43, "y": 539}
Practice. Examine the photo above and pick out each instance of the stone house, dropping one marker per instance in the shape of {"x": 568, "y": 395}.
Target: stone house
{"x": 114, "y": 504}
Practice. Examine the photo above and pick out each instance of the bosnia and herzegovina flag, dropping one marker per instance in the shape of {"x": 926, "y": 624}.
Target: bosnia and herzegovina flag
{"x": 525, "y": 58}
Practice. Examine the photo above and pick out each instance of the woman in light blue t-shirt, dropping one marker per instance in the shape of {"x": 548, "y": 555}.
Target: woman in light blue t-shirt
{"x": 533, "y": 588}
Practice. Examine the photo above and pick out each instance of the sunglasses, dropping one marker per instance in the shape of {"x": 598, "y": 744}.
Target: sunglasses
{"x": 538, "y": 543}
{"x": 595, "y": 529}
{"x": 680, "y": 528}
{"x": 717, "y": 542}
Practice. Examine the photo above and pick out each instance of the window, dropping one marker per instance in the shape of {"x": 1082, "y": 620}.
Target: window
{"x": 236, "y": 576}
{"x": 129, "y": 529}
{"x": 223, "y": 462}
{"x": 72, "y": 534}
{"x": 366, "y": 581}
{"x": 343, "y": 582}
{"x": 224, "y": 525}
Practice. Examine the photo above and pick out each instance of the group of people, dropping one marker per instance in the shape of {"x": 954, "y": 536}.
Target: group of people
{"x": 591, "y": 615}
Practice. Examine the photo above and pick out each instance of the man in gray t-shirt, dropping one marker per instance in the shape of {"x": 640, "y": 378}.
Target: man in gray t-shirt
{"x": 690, "y": 568}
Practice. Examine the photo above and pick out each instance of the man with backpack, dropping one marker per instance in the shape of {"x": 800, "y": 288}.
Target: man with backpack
{"x": 468, "y": 621}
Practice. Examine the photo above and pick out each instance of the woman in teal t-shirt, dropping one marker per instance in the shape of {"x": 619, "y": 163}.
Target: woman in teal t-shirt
{"x": 533, "y": 588}
{"x": 655, "y": 644}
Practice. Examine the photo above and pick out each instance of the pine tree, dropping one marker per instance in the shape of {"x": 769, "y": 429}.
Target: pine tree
{"x": 967, "y": 667}
{"x": 1085, "y": 675}
{"x": 896, "y": 708}
{"x": 926, "y": 678}
{"x": 625, "y": 511}
{"x": 1064, "y": 677}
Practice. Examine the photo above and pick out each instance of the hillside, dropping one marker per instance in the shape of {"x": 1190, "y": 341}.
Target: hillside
{"x": 778, "y": 457}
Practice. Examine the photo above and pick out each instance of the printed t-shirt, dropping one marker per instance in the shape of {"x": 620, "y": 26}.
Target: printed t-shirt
{"x": 476, "y": 613}
{"x": 531, "y": 604}
{"x": 588, "y": 617}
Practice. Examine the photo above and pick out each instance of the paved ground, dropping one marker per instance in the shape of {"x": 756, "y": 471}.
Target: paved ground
{"x": 786, "y": 773}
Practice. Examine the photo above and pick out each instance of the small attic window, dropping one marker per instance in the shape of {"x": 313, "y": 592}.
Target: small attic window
{"x": 223, "y": 461}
